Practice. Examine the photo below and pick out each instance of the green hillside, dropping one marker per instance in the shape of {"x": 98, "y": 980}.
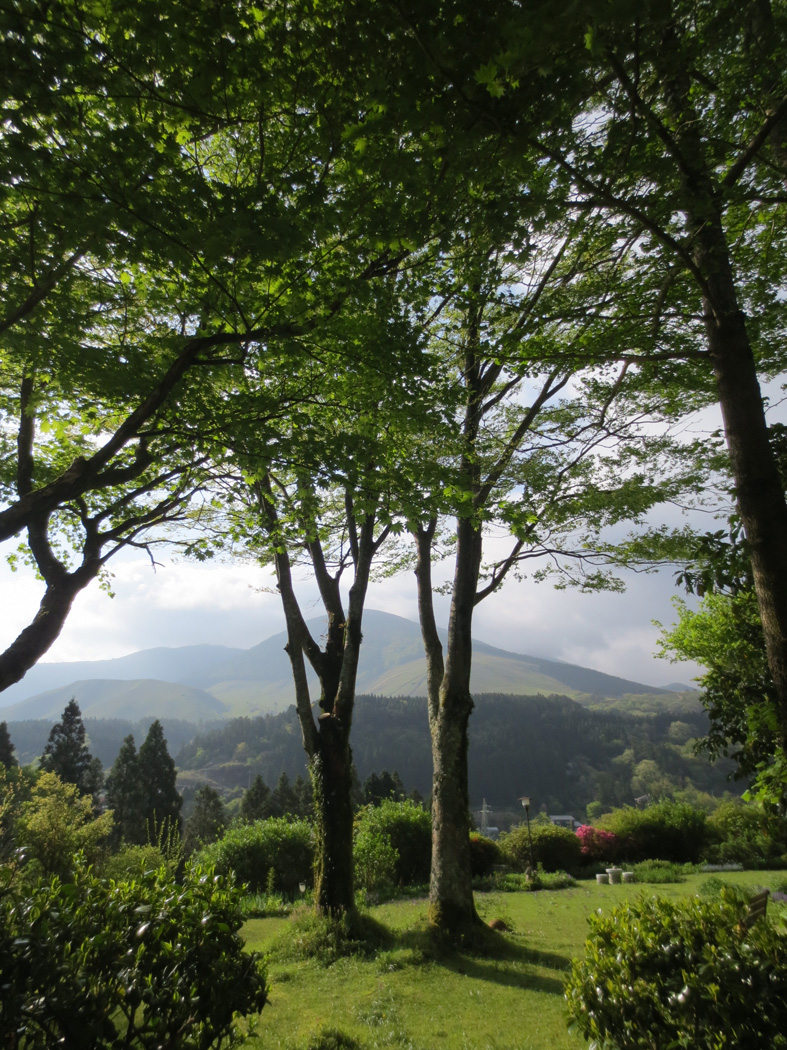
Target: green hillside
{"x": 101, "y": 698}
{"x": 206, "y": 682}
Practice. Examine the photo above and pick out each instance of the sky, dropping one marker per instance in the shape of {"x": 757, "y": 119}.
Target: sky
{"x": 235, "y": 604}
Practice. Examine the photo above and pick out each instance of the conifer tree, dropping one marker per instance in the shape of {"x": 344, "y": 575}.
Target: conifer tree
{"x": 7, "y": 756}
{"x": 283, "y": 799}
{"x": 304, "y": 796}
{"x": 157, "y": 777}
{"x": 256, "y": 801}
{"x": 126, "y": 795}
{"x": 207, "y": 819}
{"x": 67, "y": 753}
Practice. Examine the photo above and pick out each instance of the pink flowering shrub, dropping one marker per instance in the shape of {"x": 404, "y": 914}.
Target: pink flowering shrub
{"x": 597, "y": 844}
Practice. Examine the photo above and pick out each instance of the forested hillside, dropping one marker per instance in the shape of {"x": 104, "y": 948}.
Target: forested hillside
{"x": 552, "y": 748}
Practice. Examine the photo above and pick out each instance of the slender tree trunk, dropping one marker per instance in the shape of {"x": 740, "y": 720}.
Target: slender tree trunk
{"x": 451, "y": 905}
{"x": 758, "y": 487}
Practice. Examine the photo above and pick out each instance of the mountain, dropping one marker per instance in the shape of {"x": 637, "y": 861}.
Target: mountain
{"x": 208, "y": 682}
{"x": 111, "y": 698}
{"x": 168, "y": 665}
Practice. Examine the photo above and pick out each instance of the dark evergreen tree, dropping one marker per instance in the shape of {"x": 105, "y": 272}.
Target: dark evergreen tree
{"x": 380, "y": 786}
{"x": 157, "y": 777}
{"x": 304, "y": 796}
{"x": 207, "y": 820}
{"x": 126, "y": 795}
{"x": 256, "y": 801}
{"x": 7, "y": 756}
{"x": 67, "y": 753}
{"x": 283, "y": 800}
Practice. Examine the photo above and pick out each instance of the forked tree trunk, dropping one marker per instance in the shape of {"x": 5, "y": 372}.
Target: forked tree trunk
{"x": 327, "y": 743}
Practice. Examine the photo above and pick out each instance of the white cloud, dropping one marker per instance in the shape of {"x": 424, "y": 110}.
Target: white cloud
{"x": 185, "y": 603}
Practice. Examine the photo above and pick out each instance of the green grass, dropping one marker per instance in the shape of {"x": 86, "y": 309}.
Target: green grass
{"x": 406, "y": 996}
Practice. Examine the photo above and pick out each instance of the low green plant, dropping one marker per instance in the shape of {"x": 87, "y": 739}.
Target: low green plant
{"x": 253, "y": 851}
{"x": 657, "y": 871}
{"x": 140, "y": 963}
{"x": 134, "y": 860}
{"x": 332, "y": 1039}
{"x": 686, "y": 973}
{"x": 326, "y": 939}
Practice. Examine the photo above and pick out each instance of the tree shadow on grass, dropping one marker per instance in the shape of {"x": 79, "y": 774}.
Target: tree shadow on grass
{"x": 490, "y": 956}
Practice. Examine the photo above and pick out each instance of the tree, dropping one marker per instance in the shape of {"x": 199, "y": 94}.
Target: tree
{"x": 256, "y": 801}
{"x": 125, "y": 791}
{"x": 304, "y": 796}
{"x": 157, "y": 773}
{"x": 57, "y": 823}
{"x": 131, "y": 274}
{"x": 545, "y": 452}
{"x": 283, "y": 798}
{"x": 7, "y": 756}
{"x": 67, "y": 755}
{"x": 682, "y": 148}
{"x": 207, "y": 820}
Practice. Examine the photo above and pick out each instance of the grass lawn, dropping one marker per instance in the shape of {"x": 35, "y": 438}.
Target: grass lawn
{"x": 509, "y": 999}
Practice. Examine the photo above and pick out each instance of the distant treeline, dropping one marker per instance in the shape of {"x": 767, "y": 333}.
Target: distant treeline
{"x": 105, "y": 735}
{"x": 551, "y": 748}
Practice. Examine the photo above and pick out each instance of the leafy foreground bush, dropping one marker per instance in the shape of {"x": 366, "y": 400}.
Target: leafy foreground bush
{"x": 253, "y": 851}
{"x": 660, "y": 973}
{"x": 144, "y": 963}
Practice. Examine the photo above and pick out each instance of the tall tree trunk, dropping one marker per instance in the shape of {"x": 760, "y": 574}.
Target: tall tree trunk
{"x": 331, "y": 772}
{"x": 451, "y": 905}
{"x": 758, "y": 487}
{"x": 327, "y": 743}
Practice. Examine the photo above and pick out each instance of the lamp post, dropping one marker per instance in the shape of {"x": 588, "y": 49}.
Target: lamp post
{"x": 525, "y": 800}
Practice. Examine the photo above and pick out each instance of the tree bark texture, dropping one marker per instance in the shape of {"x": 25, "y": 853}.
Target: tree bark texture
{"x": 758, "y": 487}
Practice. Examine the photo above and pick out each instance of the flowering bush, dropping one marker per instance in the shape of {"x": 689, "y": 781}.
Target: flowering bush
{"x": 596, "y": 843}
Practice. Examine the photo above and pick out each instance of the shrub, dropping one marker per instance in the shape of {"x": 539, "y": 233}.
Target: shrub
{"x": 596, "y": 844}
{"x": 657, "y": 871}
{"x": 141, "y": 963}
{"x": 375, "y": 859}
{"x": 667, "y": 830}
{"x": 741, "y": 834}
{"x": 407, "y": 827}
{"x": 686, "y": 973}
{"x": 56, "y": 824}
{"x": 251, "y": 851}
{"x": 554, "y": 848}
{"x": 135, "y": 860}
{"x": 484, "y": 855}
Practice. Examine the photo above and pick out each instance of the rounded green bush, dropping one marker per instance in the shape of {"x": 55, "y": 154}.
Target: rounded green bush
{"x": 660, "y": 973}
{"x": 484, "y": 855}
{"x": 143, "y": 962}
{"x": 668, "y": 830}
{"x": 554, "y": 848}
{"x": 251, "y": 851}
{"x": 407, "y": 826}
{"x": 744, "y": 834}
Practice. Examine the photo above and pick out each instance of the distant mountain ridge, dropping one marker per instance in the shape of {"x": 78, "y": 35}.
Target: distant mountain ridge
{"x": 205, "y": 682}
